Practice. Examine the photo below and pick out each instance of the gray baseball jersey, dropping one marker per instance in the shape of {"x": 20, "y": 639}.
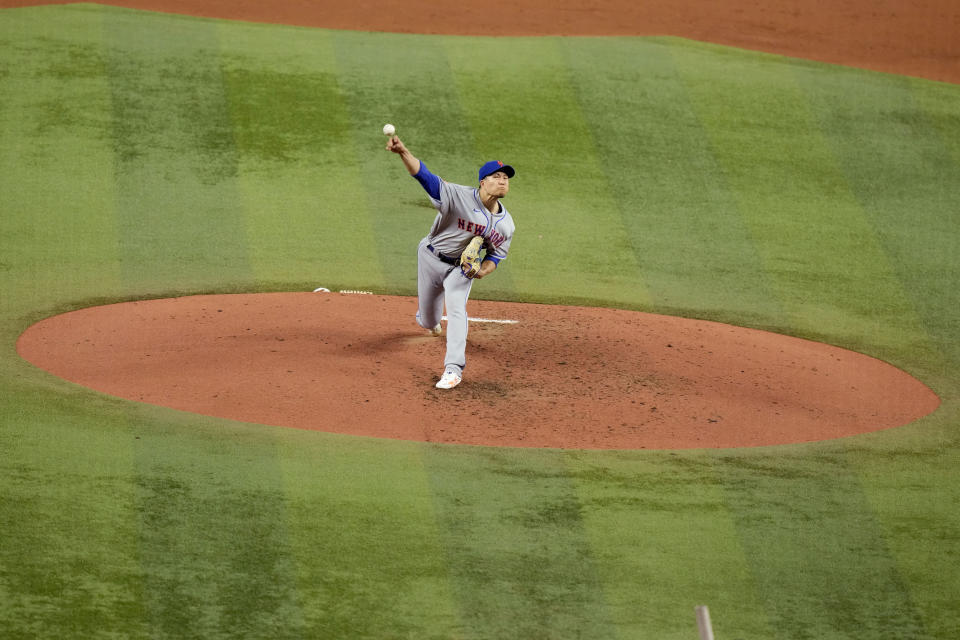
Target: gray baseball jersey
{"x": 461, "y": 215}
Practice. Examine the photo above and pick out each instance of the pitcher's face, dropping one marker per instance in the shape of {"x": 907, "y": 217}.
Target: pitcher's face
{"x": 496, "y": 184}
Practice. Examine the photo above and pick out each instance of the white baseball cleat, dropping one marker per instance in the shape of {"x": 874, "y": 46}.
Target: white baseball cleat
{"x": 449, "y": 380}
{"x": 437, "y": 330}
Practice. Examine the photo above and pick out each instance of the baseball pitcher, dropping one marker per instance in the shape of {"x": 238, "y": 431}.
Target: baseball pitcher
{"x": 448, "y": 258}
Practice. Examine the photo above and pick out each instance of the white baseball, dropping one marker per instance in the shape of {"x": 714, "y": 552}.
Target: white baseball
{"x": 389, "y": 130}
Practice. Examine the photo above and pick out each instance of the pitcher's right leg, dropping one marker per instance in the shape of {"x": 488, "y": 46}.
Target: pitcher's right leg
{"x": 430, "y": 275}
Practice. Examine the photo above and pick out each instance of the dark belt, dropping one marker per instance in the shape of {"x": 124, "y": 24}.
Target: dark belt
{"x": 442, "y": 257}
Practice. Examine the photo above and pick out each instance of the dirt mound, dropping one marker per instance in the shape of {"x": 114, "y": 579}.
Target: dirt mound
{"x": 565, "y": 377}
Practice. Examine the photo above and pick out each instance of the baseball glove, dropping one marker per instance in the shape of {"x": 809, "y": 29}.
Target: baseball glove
{"x": 470, "y": 258}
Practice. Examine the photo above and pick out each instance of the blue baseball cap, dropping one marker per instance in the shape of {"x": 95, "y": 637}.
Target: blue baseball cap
{"x": 493, "y": 166}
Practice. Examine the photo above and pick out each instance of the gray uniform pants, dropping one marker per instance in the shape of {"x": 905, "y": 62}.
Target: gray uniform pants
{"x": 439, "y": 283}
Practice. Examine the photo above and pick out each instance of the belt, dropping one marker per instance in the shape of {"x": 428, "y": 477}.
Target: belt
{"x": 442, "y": 257}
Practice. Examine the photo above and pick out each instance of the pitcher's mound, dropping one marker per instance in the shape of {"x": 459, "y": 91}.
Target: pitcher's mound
{"x": 566, "y": 377}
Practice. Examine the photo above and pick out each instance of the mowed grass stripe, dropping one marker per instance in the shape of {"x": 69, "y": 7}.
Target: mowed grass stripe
{"x": 300, "y": 187}
{"x": 937, "y": 102}
{"x": 913, "y": 492}
{"x": 58, "y": 228}
{"x": 521, "y": 104}
{"x": 669, "y": 189}
{"x": 365, "y": 540}
{"x": 819, "y": 556}
{"x": 663, "y": 540}
{"x": 518, "y": 555}
{"x": 818, "y": 246}
{"x": 175, "y": 155}
{"x": 895, "y": 142}
{"x": 937, "y": 268}
{"x": 215, "y": 555}
{"x": 71, "y": 550}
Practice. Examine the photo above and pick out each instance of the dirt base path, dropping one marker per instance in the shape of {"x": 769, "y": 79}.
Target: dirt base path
{"x": 565, "y": 377}
{"x": 911, "y": 37}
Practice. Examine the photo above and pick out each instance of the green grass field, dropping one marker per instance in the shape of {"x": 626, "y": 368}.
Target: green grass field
{"x": 146, "y": 155}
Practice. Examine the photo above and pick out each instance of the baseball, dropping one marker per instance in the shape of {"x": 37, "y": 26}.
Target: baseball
{"x": 389, "y": 130}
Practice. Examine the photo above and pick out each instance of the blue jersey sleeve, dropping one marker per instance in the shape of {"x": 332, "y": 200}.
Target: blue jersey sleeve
{"x": 428, "y": 181}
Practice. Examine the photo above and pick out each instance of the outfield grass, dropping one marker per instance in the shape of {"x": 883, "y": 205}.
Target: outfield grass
{"x": 145, "y": 155}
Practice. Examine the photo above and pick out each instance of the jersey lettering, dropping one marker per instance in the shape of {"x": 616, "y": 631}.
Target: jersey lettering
{"x": 460, "y": 217}
{"x": 471, "y": 227}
